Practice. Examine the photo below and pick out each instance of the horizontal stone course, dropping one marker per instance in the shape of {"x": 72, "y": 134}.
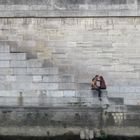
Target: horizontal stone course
{"x": 50, "y": 102}
{"x": 42, "y": 71}
{"x": 19, "y": 71}
{"x": 6, "y": 71}
{"x": 68, "y": 8}
{"x": 12, "y": 56}
{"x": 4, "y": 48}
{"x": 131, "y": 101}
{"x": 18, "y": 64}
{"x": 4, "y": 64}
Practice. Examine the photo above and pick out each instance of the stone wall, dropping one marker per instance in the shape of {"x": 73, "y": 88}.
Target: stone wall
{"x": 57, "y": 57}
{"x": 50, "y": 51}
{"x": 69, "y": 8}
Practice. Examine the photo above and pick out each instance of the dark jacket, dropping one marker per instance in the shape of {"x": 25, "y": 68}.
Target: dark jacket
{"x": 102, "y": 83}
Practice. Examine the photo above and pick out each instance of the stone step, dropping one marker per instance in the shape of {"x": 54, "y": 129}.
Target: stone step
{"x": 53, "y": 93}
{"x": 117, "y": 101}
{"x": 50, "y": 101}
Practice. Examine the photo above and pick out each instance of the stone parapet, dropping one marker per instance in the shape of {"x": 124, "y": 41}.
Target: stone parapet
{"x": 69, "y": 8}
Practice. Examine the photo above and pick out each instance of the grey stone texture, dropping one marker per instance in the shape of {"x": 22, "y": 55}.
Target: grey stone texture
{"x": 64, "y": 117}
{"x": 59, "y": 57}
{"x": 49, "y": 52}
{"x": 49, "y": 63}
{"x": 69, "y": 8}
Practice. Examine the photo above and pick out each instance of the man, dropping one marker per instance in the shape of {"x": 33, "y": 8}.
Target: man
{"x": 97, "y": 84}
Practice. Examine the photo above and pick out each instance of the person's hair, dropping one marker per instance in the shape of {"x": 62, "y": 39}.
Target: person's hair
{"x": 95, "y": 77}
{"x": 101, "y": 77}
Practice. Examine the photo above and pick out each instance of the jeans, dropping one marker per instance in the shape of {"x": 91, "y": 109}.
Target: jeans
{"x": 99, "y": 92}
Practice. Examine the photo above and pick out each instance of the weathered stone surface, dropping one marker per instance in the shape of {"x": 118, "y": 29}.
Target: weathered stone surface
{"x": 49, "y": 62}
{"x": 63, "y": 54}
{"x": 49, "y": 116}
{"x": 68, "y": 8}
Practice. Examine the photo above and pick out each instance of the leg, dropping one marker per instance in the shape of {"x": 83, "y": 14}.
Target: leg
{"x": 99, "y": 91}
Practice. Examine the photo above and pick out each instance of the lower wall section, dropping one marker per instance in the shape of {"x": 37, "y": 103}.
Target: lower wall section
{"x": 85, "y": 122}
{"x": 42, "y": 116}
{"x": 42, "y": 121}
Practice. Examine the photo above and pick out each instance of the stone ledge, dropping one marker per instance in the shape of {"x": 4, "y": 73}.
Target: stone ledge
{"x": 123, "y": 131}
{"x": 37, "y": 131}
{"x": 68, "y": 8}
{"x": 68, "y": 14}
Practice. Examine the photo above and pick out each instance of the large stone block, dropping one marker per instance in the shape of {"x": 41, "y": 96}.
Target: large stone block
{"x": 117, "y": 101}
{"x": 4, "y": 48}
{"x": 44, "y": 86}
{"x": 8, "y": 101}
{"x": 83, "y": 86}
{"x": 37, "y": 78}
{"x": 18, "y": 56}
{"x": 42, "y": 71}
{"x": 134, "y": 61}
{"x": 34, "y": 63}
{"x": 18, "y": 64}
{"x": 30, "y": 101}
{"x": 9, "y": 93}
{"x": 124, "y": 68}
{"x": 11, "y": 78}
{"x": 124, "y": 74}
{"x": 5, "y": 56}
{"x": 6, "y": 71}
{"x": 131, "y": 102}
{"x": 23, "y": 77}
{"x": 127, "y": 89}
{"x": 21, "y": 86}
{"x": 67, "y": 86}
{"x": 12, "y": 56}
{"x": 4, "y": 64}
{"x": 85, "y": 93}
{"x": 51, "y": 78}
{"x": 69, "y": 93}
{"x": 19, "y": 71}
{"x": 52, "y": 93}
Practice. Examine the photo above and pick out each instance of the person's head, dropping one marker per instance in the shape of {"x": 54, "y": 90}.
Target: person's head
{"x": 97, "y": 77}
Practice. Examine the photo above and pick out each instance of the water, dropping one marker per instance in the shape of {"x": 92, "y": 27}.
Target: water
{"x": 69, "y": 137}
